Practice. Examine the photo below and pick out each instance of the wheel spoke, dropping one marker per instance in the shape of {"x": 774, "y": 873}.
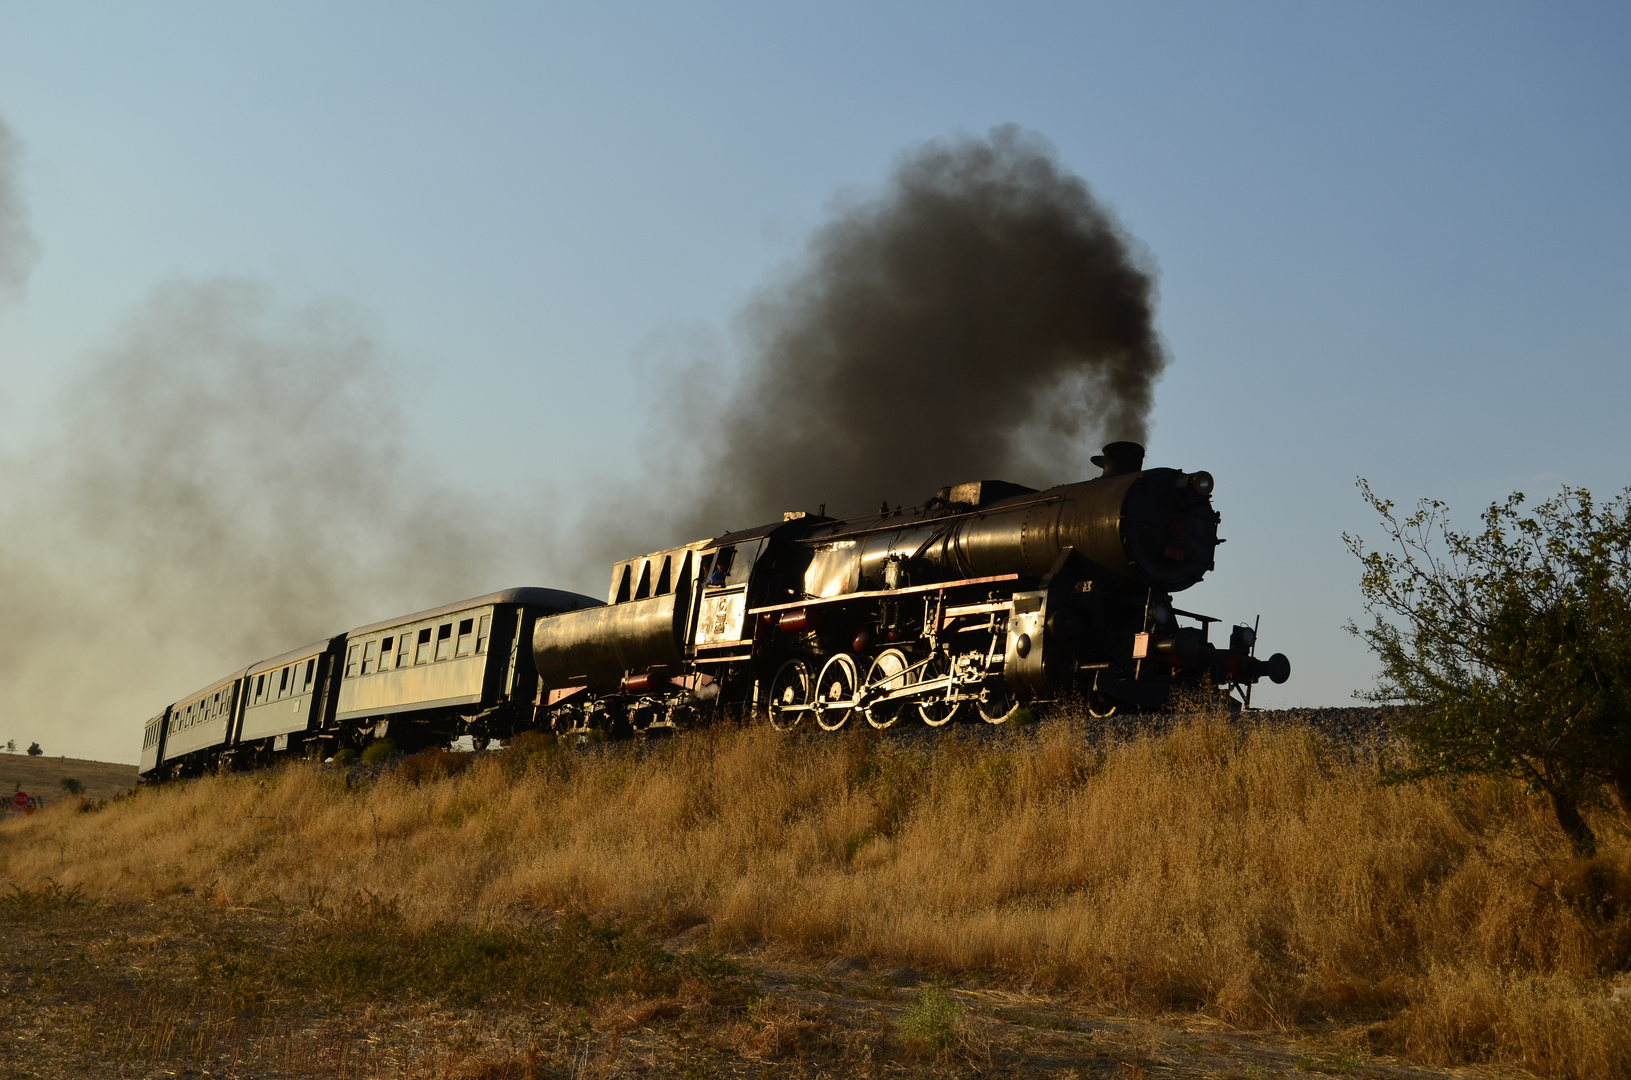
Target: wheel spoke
{"x": 789, "y": 696}
{"x": 837, "y": 689}
{"x": 936, "y": 707}
{"x": 889, "y": 672}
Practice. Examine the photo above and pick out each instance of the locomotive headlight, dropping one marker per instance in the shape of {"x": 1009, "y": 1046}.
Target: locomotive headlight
{"x": 1200, "y": 483}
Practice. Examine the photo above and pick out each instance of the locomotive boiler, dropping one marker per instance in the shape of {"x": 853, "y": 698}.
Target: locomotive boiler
{"x": 987, "y": 596}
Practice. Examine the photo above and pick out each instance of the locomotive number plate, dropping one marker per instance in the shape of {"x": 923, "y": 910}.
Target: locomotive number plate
{"x": 721, "y": 617}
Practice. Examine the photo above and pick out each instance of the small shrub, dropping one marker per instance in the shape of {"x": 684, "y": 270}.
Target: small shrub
{"x": 1020, "y": 717}
{"x": 72, "y": 786}
{"x": 378, "y": 752}
{"x": 933, "y": 1021}
{"x": 49, "y": 899}
{"x": 344, "y": 756}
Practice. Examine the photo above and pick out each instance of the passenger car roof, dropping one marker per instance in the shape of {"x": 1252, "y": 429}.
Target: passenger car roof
{"x": 211, "y": 687}
{"x": 301, "y": 653}
{"x": 556, "y": 600}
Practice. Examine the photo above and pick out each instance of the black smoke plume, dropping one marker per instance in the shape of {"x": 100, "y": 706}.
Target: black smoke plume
{"x": 983, "y": 317}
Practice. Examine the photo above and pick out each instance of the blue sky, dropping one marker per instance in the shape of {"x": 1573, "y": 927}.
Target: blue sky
{"x": 1393, "y": 240}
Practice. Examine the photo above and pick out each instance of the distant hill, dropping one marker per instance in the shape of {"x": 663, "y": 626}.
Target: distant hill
{"x": 44, "y": 776}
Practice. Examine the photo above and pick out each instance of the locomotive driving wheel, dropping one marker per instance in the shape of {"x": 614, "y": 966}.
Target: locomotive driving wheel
{"x": 937, "y": 708}
{"x": 997, "y": 702}
{"x": 789, "y": 696}
{"x": 887, "y": 674}
{"x": 836, "y": 690}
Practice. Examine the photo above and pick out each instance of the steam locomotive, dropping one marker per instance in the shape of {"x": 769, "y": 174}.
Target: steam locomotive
{"x": 987, "y": 597}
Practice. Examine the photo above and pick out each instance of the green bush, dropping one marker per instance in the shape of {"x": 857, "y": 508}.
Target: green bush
{"x": 378, "y": 752}
{"x": 72, "y": 786}
{"x": 344, "y": 756}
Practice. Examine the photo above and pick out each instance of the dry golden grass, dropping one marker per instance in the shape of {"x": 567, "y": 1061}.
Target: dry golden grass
{"x": 1259, "y": 873}
{"x": 44, "y": 776}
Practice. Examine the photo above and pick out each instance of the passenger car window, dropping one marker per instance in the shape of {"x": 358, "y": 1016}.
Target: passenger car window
{"x": 482, "y": 632}
{"x": 260, "y": 686}
{"x": 421, "y": 654}
{"x": 402, "y": 649}
{"x": 351, "y": 661}
{"x": 444, "y": 641}
{"x": 369, "y": 654}
{"x": 311, "y": 669}
{"x": 466, "y": 635}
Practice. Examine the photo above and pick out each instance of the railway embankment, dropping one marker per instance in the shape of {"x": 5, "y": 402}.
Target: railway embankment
{"x": 1256, "y": 879}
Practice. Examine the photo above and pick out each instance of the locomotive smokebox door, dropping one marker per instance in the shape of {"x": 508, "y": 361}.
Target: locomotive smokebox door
{"x": 1022, "y": 663}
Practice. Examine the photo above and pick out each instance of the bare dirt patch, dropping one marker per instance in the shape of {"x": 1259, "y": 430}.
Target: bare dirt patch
{"x": 184, "y": 987}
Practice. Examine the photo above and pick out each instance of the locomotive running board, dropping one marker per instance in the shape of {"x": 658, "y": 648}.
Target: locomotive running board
{"x": 885, "y": 594}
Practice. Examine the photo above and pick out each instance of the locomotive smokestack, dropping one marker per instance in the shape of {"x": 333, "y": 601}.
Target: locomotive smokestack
{"x": 1120, "y": 458}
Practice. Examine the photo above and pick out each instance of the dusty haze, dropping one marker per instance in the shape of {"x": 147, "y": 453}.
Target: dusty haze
{"x": 18, "y": 248}
{"x": 228, "y": 479}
